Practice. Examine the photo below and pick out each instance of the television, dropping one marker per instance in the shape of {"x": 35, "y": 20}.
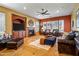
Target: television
{"x": 18, "y": 26}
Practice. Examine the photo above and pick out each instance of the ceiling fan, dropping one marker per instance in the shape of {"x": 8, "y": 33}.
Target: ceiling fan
{"x": 43, "y": 12}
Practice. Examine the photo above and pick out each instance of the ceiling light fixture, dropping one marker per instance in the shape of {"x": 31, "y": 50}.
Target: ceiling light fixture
{"x": 25, "y": 8}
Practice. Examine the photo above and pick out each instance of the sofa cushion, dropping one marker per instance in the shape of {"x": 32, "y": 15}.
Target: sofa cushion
{"x": 71, "y": 36}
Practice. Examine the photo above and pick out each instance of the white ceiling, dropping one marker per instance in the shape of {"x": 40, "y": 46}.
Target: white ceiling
{"x": 55, "y": 9}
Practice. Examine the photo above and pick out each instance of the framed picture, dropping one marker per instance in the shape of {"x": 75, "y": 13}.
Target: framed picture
{"x": 31, "y": 23}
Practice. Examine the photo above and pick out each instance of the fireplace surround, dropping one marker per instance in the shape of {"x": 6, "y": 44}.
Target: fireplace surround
{"x": 31, "y": 31}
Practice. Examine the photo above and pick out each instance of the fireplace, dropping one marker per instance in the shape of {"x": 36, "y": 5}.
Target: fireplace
{"x": 31, "y": 32}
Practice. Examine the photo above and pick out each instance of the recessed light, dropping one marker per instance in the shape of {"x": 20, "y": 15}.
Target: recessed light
{"x": 25, "y": 8}
{"x": 57, "y": 11}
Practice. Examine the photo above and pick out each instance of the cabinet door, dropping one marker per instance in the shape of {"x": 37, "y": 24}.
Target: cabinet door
{"x": 20, "y": 34}
{"x": 15, "y": 34}
{"x": 24, "y": 34}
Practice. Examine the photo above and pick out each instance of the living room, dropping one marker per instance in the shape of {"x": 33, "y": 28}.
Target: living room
{"x": 39, "y": 29}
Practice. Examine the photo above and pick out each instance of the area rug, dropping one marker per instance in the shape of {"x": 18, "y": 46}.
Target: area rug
{"x": 37, "y": 44}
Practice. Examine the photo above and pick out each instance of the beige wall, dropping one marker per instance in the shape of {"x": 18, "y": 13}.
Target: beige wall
{"x": 8, "y": 13}
{"x": 74, "y": 15}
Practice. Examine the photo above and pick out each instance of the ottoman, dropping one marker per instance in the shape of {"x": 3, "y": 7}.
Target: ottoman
{"x": 14, "y": 44}
{"x": 42, "y": 41}
{"x": 50, "y": 41}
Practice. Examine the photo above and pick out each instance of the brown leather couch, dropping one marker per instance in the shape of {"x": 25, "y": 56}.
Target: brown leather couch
{"x": 46, "y": 32}
{"x": 67, "y": 45}
{"x": 3, "y": 43}
{"x": 15, "y": 43}
{"x": 56, "y": 33}
{"x": 77, "y": 45}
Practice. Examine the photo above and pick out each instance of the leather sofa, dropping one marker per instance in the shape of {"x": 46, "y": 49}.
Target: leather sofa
{"x": 67, "y": 45}
{"x": 56, "y": 33}
{"x": 3, "y": 43}
{"x": 46, "y": 32}
{"x": 15, "y": 43}
{"x": 77, "y": 45}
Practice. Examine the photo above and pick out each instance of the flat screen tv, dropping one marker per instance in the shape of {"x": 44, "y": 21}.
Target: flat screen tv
{"x": 18, "y": 27}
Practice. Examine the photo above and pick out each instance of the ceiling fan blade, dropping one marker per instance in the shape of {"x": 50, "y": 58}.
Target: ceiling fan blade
{"x": 47, "y": 13}
{"x": 44, "y": 12}
{"x": 38, "y": 12}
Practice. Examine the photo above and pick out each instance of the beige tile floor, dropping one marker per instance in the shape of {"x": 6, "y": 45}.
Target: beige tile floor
{"x": 27, "y": 50}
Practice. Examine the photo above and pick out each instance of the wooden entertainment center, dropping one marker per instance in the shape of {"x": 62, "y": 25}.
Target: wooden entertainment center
{"x": 18, "y": 26}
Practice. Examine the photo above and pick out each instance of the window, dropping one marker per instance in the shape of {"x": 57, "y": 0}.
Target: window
{"x": 37, "y": 26}
{"x": 44, "y": 26}
{"x": 55, "y": 24}
{"x": 61, "y": 25}
{"x": 78, "y": 20}
{"x": 2, "y": 22}
{"x": 58, "y": 24}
